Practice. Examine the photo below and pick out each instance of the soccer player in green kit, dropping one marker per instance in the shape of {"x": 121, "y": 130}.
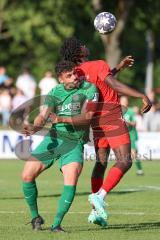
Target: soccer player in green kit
{"x": 129, "y": 116}
{"x": 64, "y": 142}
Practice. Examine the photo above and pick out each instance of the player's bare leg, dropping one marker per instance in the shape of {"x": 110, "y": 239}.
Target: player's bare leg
{"x": 122, "y": 165}
{"x": 32, "y": 169}
{"x": 100, "y": 166}
{"x": 138, "y": 163}
{"x": 71, "y": 174}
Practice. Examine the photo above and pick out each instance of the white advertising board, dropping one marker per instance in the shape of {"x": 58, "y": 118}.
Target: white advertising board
{"x": 148, "y": 145}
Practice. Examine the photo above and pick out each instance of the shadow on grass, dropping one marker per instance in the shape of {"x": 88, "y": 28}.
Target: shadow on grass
{"x": 137, "y": 226}
{"x": 125, "y": 227}
{"x": 77, "y": 194}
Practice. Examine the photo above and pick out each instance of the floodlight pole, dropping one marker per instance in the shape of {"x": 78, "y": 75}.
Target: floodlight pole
{"x": 149, "y": 68}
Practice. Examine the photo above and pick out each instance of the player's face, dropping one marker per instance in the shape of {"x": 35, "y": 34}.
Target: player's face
{"x": 70, "y": 79}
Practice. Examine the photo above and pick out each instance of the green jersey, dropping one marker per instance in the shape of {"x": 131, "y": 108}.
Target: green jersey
{"x": 69, "y": 103}
{"x": 130, "y": 116}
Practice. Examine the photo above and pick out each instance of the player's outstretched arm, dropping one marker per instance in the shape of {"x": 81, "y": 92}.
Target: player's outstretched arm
{"x": 128, "y": 61}
{"x": 125, "y": 90}
{"x": 81, "y": 119}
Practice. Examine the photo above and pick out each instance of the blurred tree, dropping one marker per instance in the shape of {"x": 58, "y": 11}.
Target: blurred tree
{"x": 111, "y": 42}
{"x": 31, "y": 32}
{"x": 134, "y": 19}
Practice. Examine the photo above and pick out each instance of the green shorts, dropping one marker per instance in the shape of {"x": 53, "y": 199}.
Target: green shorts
{"x": 133, "y": 138}
{"x": 59, "y": 148}
{"x": 133, "y": 142}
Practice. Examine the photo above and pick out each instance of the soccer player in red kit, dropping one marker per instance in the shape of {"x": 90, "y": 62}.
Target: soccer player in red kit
{"x": 109, "y": 128}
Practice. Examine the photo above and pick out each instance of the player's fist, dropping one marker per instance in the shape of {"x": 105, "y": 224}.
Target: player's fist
{"x": 128, "y": 61}
{"x": 29, "y": 130}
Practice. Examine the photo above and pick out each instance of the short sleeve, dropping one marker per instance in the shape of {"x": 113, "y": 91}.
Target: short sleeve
{"x": 103, "y": 70}
{"x": 92, "y": 93}
{"x": 50, "y": 99}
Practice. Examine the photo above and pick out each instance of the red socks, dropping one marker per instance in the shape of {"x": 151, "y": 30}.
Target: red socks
{"x": 112, "y": 179}
{"x": 96, "y": 184}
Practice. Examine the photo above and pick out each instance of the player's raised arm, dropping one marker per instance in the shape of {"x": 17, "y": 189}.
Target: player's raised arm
{"x": 128, "y": 61}
{"x": 124, "y": 89}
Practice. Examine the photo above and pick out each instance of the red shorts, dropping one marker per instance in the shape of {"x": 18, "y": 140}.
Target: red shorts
{"x": 113, "y": 134}
{"x": 113, "y": 142}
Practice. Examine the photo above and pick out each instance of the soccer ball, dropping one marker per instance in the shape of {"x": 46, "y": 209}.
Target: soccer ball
{"x": 105, "y": 22}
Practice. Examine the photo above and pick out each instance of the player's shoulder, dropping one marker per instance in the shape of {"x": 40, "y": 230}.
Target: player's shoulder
{"x": 90, "y": 91}
{"x": 89, "y": 86}
{"x": 56, "y": 90}
{"x": 94, "y": 62}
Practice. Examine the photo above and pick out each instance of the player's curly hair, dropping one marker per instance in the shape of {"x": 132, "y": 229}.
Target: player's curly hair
{"x": 71, "y": 50}
{"x": 64, "y": 66}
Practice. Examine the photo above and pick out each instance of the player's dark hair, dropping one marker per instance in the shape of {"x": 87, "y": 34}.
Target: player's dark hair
{"x": 64, "y": 66}
{"x": 71, "y": 50}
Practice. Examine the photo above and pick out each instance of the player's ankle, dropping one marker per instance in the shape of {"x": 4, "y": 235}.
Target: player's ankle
{"x": 102, "y": 193}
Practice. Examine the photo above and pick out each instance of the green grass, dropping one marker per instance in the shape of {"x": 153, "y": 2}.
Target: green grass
{"x": 134, "y": 205}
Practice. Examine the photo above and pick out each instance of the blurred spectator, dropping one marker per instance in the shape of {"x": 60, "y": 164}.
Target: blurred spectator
{"x": 18, "y": 99}
{"x": 3, "y": 76}
{"x": 152, "y": 119}
{"x": 138, "y": 118}
{"x": 47, "y": 83}
{"x": 152, "y": 96}
{"x": 5, "y": 106}
{"x": 9, "y": 85}
{"x": 21, "y": 110}
{"x": 26, "y": 83}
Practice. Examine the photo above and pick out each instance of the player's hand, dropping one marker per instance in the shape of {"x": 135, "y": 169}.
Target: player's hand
{"x": 29, "y": 130}
{"x": 146, "y": 104}
{"x": 128, "y": 61}
{"x": 53, "y": 117}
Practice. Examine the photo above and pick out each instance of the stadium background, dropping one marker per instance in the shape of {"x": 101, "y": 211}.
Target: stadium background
{"x": 31, "y": 33}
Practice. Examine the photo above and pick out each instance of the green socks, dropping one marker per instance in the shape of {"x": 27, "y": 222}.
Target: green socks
{"x": 65, "y": 201}
{"x": 138, "y": 165}
{"x": 30, "y": 194}
{"x": 64, "y": 204}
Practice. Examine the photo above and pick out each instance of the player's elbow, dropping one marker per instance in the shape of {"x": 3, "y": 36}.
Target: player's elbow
{"x": 112, "y": 83}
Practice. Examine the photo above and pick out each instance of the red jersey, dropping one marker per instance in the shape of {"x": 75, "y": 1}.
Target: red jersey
{"x": 108, "y": 117}
{"x": 96, "y": 73}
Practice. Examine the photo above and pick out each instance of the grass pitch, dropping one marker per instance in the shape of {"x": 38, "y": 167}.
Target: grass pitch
{"x": 134, "y": 206}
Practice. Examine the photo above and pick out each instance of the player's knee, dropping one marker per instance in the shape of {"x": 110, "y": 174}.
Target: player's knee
{"x": 124, "y": 165}
{"x": 27, "y": 177}
{"x": 129, "y": 164}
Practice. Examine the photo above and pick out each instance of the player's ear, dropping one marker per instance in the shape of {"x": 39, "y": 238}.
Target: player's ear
{"x": 60, "y": 79}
